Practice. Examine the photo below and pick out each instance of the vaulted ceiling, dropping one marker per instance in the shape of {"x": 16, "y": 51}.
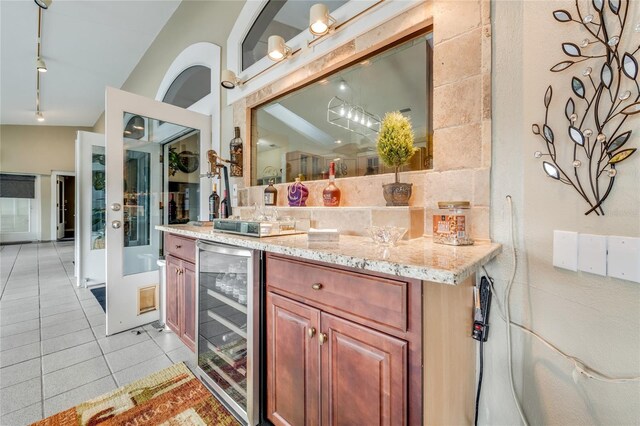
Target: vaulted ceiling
{"x": 87, "y": 45}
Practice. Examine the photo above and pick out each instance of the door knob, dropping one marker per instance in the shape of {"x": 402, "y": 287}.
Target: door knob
{"x": 312, "y": 332}
{"x": 116, "y": 224}
{"x": 115, "y": 207}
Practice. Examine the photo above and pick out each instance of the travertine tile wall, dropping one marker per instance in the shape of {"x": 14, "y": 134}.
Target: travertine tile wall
{"x": 461, "y": 111}
{"x": 350, "y": 220}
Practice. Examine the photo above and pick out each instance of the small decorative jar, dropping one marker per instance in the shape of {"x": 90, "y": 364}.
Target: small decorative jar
{"x": 297, "y": 194}
{"x": 452, "y": 223}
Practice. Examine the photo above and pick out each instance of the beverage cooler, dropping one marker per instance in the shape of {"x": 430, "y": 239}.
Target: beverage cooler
{"x": 227, "y": 343}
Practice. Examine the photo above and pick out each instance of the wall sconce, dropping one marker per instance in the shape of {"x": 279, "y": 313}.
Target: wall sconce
{"x": 229, "y": 80}
{"x": 277, "y": 50}
{"x": 320, "y": 22}
{"x": 40, "y": 65}
{"x": 43, "y": 4}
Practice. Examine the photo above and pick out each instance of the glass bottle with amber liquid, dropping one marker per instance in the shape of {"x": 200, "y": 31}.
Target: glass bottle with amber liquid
{"x": 270, "y": 194}
{"x": 331, "y": 194}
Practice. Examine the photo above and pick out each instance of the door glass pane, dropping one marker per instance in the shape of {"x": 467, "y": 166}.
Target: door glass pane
{"x": 183, "y": 179}
{"x": 15, "y": 214}
{"x": 146, "y": 182}
{"x": 98, "y": 195}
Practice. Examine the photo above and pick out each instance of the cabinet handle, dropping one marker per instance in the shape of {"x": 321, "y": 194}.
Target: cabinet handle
{"x": 312, "y": 332}
{"x": 178, "y": 246}
{"x": 316, "y": 286}
{"x": 322, "y": 337}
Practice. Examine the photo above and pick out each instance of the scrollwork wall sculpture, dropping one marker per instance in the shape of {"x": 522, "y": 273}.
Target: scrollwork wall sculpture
{"x": 604, "y": 97}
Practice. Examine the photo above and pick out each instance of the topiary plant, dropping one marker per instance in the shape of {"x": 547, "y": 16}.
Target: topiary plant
{"x": 395, "y": 141}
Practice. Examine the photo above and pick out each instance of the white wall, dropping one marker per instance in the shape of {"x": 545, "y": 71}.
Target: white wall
{"x": 593, "y": 318}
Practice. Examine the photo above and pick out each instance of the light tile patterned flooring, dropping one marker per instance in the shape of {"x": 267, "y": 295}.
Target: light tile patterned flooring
{"x": 53, "y": 349}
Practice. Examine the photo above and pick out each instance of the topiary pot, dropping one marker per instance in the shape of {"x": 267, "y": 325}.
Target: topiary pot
{"x": 397, "y": 194}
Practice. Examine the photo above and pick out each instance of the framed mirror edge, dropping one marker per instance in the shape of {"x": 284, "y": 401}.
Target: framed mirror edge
{"x": 262, "y": 97}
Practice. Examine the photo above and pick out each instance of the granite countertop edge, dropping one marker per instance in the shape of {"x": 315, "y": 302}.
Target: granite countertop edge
{"x": 396, "y": 261}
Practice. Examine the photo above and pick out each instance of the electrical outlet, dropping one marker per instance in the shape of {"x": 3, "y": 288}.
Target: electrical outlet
{"x": 623, "y": 260}
{"x": 234, "y": 190}
{"x": 565, "y": 250}
{"x": 592, "y": 254}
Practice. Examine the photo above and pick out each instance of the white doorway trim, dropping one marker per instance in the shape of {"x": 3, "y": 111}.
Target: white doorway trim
{"x": 54, "y": 199}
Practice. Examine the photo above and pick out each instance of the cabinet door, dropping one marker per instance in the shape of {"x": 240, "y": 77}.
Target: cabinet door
{"x": 293, "y": 362}
{"x": 364, "y": 375}
{"x": 173, "y": 294}
{"x": 188, "y": 317}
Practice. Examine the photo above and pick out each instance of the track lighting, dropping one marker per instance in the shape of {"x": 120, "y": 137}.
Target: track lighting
{"x": 229, "y": 80}
{"x": 277, "y": 49}
{"x": 320, "y": 21}
{"x": 44, "y": 4}
{"x": 40, "y": 65}
{"x": 39, "y": 116}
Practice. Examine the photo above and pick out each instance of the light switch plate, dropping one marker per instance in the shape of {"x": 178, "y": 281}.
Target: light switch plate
{"x": 623, "y": 260}
{"x": 565, "y": 250}
{"x": 592, "y": 254}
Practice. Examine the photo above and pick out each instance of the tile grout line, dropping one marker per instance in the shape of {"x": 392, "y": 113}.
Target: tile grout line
{"x": 13, "y": 264}
{"x": 40, "y": 331}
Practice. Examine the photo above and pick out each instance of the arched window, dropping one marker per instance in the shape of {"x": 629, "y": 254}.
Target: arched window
{"x": 189, "y": 87}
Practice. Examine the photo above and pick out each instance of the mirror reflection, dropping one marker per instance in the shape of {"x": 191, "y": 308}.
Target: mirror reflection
{"x": 338, "y": 118}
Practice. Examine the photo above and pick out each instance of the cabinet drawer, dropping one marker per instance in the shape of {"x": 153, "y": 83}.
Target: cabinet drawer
{"x": 374, "y": 299}
{"x": 182, "y": 247}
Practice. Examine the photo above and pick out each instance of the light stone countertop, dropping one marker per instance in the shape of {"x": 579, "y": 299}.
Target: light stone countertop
{"x": 418, "y": 258}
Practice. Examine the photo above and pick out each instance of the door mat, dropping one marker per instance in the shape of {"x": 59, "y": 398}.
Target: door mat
{"x": 172, "y": 396}
{"x": 101, "y": 296}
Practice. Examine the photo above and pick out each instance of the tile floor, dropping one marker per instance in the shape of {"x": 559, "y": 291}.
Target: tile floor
{"x": 53, "y": 349}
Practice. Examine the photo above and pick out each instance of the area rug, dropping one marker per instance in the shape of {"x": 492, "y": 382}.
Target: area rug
{"x": 101, "y": 296}
{"x": 172, "y": 396}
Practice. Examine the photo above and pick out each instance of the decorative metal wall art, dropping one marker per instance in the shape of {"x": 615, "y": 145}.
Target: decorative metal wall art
{"x": 603, "y": 98}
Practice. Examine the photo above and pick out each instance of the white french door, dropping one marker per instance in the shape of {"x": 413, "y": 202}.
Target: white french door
{"x": 137, "y": 128}
{"x": 90, "y": 209}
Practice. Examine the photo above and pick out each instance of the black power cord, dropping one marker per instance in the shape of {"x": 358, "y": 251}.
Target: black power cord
{"x": 479, "y": 382}
{"x": 480, "y": 332}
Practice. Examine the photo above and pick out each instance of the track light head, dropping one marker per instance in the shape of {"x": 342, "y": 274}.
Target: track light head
{"x": 40, "y": 65}
{"x": 43, "y": 4}
{"x": 277, "y": 50}
{"x": 229, "y": 80}
{"x": 319, "y": 20}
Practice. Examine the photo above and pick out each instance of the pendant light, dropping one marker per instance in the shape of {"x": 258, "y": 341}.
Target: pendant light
{"x": 277, "y": 49}
{"x": 39, "y": 116}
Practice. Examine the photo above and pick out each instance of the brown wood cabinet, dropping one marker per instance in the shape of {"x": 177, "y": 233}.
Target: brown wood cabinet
{"x": 181, "y": 288}
{"x": 343, "y": 347}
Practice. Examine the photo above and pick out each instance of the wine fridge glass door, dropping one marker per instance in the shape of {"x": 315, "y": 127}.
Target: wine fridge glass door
{"x": 227, "y": 335}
